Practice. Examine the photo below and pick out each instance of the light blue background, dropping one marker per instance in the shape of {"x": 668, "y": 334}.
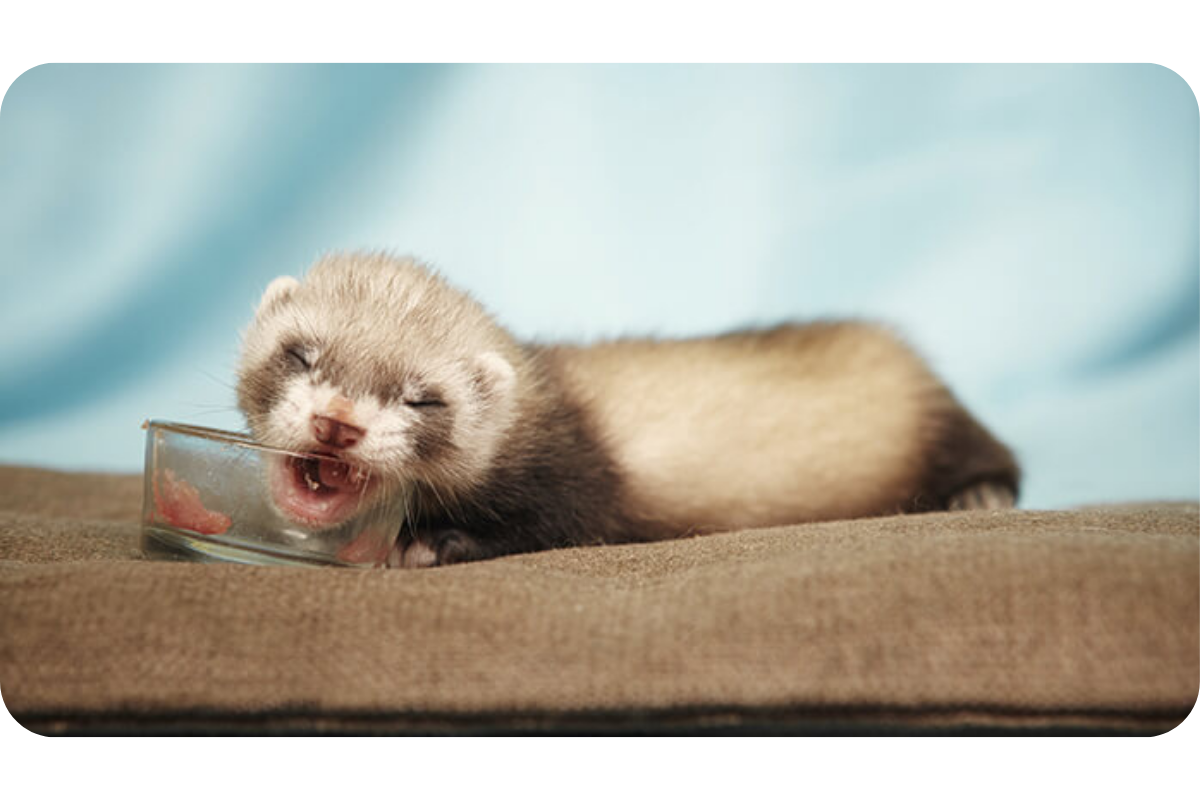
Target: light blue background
{"x": 1032, "y": 229}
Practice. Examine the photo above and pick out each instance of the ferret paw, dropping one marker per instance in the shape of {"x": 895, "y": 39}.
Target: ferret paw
{"x": 433, "y": 549}
{"x": 412, "y": 555}
{"x": 982, "y": 496}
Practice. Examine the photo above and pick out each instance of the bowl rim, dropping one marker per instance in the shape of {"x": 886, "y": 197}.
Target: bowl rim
{"x": 235, "y": 438}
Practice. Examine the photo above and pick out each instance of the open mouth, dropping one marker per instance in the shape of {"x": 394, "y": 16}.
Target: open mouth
{"x": 319, "y": 489}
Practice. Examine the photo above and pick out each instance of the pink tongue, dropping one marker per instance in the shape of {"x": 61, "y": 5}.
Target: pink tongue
{"x": 337, "y": 474}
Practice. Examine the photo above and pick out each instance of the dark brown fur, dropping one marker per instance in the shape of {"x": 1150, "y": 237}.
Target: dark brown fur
{"x": 961, "y": 454}
{"x": 552, "y": 485}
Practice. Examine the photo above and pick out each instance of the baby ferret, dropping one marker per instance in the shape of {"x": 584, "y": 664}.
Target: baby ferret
{"x": 504, "y": 446}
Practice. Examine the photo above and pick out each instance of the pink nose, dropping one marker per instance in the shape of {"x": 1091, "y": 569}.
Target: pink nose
{"x": 336, "y": 433}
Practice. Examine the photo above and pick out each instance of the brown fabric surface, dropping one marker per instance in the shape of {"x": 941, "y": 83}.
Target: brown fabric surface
{"x": 1081, "y": 621}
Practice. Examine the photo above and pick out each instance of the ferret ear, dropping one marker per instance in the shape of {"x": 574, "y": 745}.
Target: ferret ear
{"x": 495, "y": 378}
{"x": 277, "y": 291}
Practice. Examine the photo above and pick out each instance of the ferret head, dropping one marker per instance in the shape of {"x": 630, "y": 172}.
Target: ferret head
{"x": 379, "y": 363}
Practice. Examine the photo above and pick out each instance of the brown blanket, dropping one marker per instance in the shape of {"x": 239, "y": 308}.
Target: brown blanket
{"x": 1083, "y": 621}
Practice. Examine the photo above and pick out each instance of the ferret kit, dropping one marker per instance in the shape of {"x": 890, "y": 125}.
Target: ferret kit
{"x": 394, "y": 422}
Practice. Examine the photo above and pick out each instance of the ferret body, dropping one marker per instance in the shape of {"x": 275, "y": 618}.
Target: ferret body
{"x": 507, "y": 447}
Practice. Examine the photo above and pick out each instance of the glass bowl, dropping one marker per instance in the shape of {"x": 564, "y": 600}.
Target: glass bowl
{"x": 212, "y": 495}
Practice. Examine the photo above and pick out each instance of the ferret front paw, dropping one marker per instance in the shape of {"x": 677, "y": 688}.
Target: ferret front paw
{"x": 433, "y": 549}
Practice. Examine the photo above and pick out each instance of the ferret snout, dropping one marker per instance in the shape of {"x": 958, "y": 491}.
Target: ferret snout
{"x": 336, "y": 433}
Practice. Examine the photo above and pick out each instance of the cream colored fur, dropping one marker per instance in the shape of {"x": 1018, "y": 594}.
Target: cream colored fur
{"x": 758, "y": 429}
{"x": 378, "y": 311}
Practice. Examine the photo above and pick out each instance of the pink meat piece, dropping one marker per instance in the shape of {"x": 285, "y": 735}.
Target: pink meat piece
{"x": 178, "y": 503}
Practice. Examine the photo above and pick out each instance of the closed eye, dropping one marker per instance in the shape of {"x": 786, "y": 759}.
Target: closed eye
{"x": 425, "y": 402}
{"x": 296, "y": 358}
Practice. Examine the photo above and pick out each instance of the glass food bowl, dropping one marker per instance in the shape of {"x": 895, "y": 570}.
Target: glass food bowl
{"x": 212, "y": 495}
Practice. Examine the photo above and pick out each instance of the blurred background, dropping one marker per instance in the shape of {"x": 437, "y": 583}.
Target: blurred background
{"x": 1032, "y": 230}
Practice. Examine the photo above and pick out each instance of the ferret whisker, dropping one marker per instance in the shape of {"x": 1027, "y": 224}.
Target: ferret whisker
{"x": 219, "y": 381}
{"x": 208, "y": 412}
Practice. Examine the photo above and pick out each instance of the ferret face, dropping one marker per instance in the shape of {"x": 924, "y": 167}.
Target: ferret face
{"x": 379, "y": 364}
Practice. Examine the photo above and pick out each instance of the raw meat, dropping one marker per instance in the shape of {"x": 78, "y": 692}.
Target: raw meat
{"x": 177, "y": 503}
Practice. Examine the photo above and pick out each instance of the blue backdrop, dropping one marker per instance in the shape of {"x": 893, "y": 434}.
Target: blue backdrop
{"x": 1032, "y": 229}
